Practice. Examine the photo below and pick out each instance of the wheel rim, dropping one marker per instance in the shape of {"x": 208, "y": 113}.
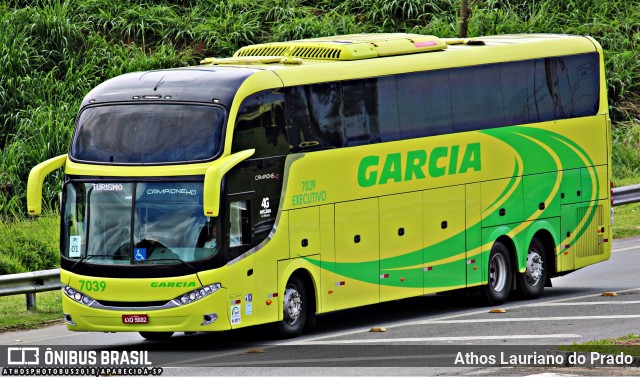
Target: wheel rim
{"x": 534, "y": 267}
{"x": 292, "y": 305}
{"x": 498, "y": 272}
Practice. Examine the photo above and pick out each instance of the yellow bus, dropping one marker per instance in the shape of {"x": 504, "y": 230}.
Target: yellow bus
{"x": 305, "y": 177}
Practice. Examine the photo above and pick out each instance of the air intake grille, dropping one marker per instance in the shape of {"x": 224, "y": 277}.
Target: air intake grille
{"x": 263, "y": 51}
{"x": 346, "y": 47}
{"x": 306, "y": 52}
{"x": 589, "y": 243}
{"x": 137, "y": 304}
{"x": 316, "y": 53}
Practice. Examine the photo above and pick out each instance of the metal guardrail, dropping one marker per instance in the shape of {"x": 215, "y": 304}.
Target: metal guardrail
{"x": 30, "y": 283}
{"x": 626, "y": 195}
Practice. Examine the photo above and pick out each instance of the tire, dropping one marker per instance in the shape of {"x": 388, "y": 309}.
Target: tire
{"x": 500, "y": 274}
{"x": 295, "y": 308}
{"x": 531, "y": 283}
{"x": 155, "y": 335}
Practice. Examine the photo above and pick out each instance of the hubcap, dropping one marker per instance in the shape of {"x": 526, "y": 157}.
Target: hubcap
{"x": 498, "y": 272}
{"x": 292, "y": 305}
{"x": 534, "y": 267}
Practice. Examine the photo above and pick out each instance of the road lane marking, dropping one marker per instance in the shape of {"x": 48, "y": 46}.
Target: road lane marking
{"x": 437, "y": 339}
{"x": 626, "y": 249}
{"x": 20, "y": 341}
{"x": 529, "y": 319}
{"x": 585, "y": 303}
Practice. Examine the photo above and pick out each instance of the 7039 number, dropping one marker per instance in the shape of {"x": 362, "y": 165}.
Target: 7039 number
{"x": 92, "y": 285}
{"x": 309, "y": 185}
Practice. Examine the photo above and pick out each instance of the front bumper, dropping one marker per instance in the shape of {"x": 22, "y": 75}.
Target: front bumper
{"x": 207, "y": 314}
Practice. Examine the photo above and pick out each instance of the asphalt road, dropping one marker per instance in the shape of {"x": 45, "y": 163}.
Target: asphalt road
{"x": 430, "y": 335}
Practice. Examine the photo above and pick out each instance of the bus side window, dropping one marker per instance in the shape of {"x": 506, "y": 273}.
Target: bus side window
{"x": 239, "y": 227}
{"x": 314, "y": 116}
{"x": 424, "y": 104}
{"x": 519, "y": 100}
{"x": 472, "y": 111}
{"x": 261, "y": 125}
{"x": 584, "y": 78}
{"x": 360, "y": 111}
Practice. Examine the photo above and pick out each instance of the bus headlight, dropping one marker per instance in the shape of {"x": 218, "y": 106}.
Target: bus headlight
{"x": 196, "y": 294}
{"x": 77, "y": 296}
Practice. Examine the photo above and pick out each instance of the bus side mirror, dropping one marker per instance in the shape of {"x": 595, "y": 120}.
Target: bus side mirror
{"x": 36, "y": 180}
{"x": 213, "y": 180}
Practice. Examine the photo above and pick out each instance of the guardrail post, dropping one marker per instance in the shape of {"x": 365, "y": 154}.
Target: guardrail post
{"x": 30, "y": 283}
{"x": 31, "y": 301}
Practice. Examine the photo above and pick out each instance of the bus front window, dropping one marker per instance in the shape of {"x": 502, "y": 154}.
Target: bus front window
{"x": 168, "y": 221}
{"x": 137, "y": 223}
{"x": 148, "y": 133}
{"x": 97, "y": 222}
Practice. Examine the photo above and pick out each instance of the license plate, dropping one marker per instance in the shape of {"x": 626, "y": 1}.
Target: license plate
{"x": 135, "y": 319}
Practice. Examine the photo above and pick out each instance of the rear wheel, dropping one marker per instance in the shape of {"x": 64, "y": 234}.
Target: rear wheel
{"x": 294, "y": 309}
{"x": 500, "y": 275}
{"x": 531, "y": 282}
{"x": 155, "y": 335}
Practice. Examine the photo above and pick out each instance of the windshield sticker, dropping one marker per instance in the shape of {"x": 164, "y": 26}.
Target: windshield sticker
{"x": 107, "y": 187}
{"x": 266, "y": 210}
{"x": 171, "y": 192}
{"x": 75, "y": 245}
{"x": 140, "y": 253}
{"x": 235, "y": 314}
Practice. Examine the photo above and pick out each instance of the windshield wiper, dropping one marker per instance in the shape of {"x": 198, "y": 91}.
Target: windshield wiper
{"x": 89, "y": 257}
{"x": 168, "y": 259}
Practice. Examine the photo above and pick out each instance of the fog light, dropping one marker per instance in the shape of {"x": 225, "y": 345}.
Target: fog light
{"x": 209, "y": 319}
{"x": 68, "y": 320}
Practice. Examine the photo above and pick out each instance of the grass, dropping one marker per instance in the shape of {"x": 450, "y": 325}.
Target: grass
{"x": 29, "y": 244}
{"x": 628, "y": 344}
{"x": 14, "y": 316}
{"x": 626, "y": 221}
{"x": 626, "y": 217}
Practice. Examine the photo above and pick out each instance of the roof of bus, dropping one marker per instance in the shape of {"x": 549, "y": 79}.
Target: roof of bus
{"x": 368, "y": 55}
{"x": 195, "y": 84}
{"x": 327, "y": 59}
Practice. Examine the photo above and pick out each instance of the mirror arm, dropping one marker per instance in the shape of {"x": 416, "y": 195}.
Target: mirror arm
{"x": 36, "y": 180}
{"x": 213, "y": 180}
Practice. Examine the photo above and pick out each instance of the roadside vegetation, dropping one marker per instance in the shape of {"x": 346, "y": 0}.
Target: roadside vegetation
{"x": 14, "y": 316}
{"x": 29, "y": 244}
{"x": 55, "y": 51}
{"x": 628, "y": 344}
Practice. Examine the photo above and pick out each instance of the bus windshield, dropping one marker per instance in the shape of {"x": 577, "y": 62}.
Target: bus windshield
{"x": 136, "y": 223}
{"x": 148, "y": 133}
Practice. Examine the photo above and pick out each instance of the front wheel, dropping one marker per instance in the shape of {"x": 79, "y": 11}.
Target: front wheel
{"x": 500, "y": 275}
{"x": 294, "y": 309}
{"x": 531, "y": 282}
